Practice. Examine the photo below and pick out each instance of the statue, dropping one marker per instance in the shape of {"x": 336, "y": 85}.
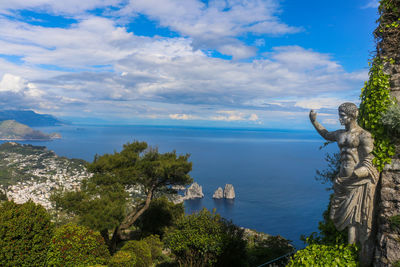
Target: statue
{"x": 352, "y": 206}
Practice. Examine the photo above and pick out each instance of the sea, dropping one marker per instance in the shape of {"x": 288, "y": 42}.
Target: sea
{"x": 272, "y": 171}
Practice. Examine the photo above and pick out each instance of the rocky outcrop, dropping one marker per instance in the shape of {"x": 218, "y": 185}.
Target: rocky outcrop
{"x": 194, "y": 191}
{"x": 229, "y": 191}
{"x": 219, "y": 193}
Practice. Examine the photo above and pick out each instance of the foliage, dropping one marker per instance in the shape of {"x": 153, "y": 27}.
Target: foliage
{"x": 25, "y": 233}
{"x": 267, "y": 249}
{"x": 375, "y": 101}
{"x": 205, "y": 239}
{"x": 161, "y": 214}
{"x": 328, "y": 175}
{"x": 123, "y": 258}
{"x": 96, "y": 206}
{"x": 326, "y": 255}
{"x": 387, "y": 33}
{"x": 156, "y": 247}
{"x": 107, "y": 201}
{"x": 395, "y": 222}
{"x": 76, "y": 245}
{"x": 140, "y": 250}
{"x": 391, "y": 119}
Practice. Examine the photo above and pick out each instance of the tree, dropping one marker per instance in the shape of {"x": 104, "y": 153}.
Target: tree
{"x": 25, "y": 233}
{"x": 122, "y": 187}
{"x": 206, "y": 239}
{"x": 161, "y": 214}
{"x": 74, "y": 245}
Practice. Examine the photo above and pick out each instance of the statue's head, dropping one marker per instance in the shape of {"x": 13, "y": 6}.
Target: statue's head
{"x": 347, "y": 112}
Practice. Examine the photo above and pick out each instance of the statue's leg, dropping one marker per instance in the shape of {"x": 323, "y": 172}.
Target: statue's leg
{"x": 352, "y": 234}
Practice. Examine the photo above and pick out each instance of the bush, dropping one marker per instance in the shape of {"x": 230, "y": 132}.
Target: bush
{"x": 156, "y": 247}
{"x": 140, "y": 250}
{"x": 25, "y": 233}
{"x": 205, "y": 239}
{"x": 76, "y": 245}
{"x": 326, "y": 255}
{"x": 122, "y": 258}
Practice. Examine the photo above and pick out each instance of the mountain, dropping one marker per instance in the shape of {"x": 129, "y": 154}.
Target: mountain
{"x": 29, "y": 118}
{"x": 12, "y": 130}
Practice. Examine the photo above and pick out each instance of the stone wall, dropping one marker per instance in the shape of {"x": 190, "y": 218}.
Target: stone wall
{"x": 388, "y": 239}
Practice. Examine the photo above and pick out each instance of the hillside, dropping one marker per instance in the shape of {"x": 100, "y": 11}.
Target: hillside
{"x": 32, "y": 172}
{"x": 29, "y": 118}
{"x": 12, "y": 130}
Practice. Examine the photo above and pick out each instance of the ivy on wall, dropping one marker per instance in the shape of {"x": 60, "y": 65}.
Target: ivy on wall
{"x": 375, "y": 101}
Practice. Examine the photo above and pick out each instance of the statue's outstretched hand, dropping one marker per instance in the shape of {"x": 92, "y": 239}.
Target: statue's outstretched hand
{"x": 313, "y": 115}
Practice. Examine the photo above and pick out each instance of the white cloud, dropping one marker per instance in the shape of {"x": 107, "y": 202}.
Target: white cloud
{"x": 372, "y": 4}
{"x": 217, "y": 24}
{"x": 70, "y": 7}
{"x": 319, "y": 102}
{"x": 102, "y": 68}
{"x": 11, "y": 83}
{"x": 233, "y": 115}
{"x": 182, "y": 117}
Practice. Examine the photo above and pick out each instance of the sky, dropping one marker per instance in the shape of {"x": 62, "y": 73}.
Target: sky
{"x": 228, "y": 63}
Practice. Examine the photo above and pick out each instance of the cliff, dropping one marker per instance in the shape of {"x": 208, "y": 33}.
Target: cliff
{"x": 14, "y": 131}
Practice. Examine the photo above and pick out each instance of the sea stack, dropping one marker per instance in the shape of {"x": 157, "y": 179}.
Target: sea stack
{"x": 194, "y": 191}
{"x": 219, "y": 193}
{"x": 229, "y": 191}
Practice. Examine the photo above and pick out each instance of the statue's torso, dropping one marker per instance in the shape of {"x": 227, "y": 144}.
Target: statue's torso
{"x": 348, "y": 142}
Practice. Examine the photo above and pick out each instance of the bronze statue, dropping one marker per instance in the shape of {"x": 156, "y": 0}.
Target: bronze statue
{"x": 352, "y": 205}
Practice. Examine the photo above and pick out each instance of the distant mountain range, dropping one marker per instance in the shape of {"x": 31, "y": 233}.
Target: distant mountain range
{"x": 30, "y": 118}
{"x": 12, "y": 130}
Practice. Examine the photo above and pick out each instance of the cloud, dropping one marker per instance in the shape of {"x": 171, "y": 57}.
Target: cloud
{"x": 96, "y": 65}
{"x": 232, "y": 115}
{"x": 182, "y": 117}
{"x": 70, "y": 7}
{"x": 372, "y": 4}
{"x": 320, "y": 102}
{"x": 217, "y": 24}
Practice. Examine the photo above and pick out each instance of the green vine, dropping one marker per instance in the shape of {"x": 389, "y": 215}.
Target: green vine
{"x": 375, "y": 101}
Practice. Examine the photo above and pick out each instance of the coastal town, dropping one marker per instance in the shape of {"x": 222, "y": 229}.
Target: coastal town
{"x": 33, "y": 172}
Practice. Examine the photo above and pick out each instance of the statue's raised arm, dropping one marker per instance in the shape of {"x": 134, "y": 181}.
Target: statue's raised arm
{"x": 330, "y": 136}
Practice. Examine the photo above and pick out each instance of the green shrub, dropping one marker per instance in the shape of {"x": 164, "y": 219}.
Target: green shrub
{"x": 206, "y": 239}
{"x": 326, "y": 255}
{"x": 123, "y": 259}
{"x": 156, "y": 247}
{"x": 25, "y": 233}
{"x": 140, "y": 250}
{"x": 76, "y": 245}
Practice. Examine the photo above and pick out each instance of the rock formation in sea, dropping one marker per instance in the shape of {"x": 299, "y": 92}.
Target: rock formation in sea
{"x": 229, "y": 191}
{"x": 194, "y": 191}
{"x": 219, "y": 193}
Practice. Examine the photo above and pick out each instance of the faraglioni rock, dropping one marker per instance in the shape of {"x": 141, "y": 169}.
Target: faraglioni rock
{"x": 194, "y": 191}
{"x": 229, "y": 191}
{"x": 219, "y": 193}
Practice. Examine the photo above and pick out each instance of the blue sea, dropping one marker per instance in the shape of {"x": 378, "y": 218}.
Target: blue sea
{"x": 272, "y": 170}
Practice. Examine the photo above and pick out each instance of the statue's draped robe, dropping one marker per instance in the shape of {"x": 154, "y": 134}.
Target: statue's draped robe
{"x": 353, "y": 201}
